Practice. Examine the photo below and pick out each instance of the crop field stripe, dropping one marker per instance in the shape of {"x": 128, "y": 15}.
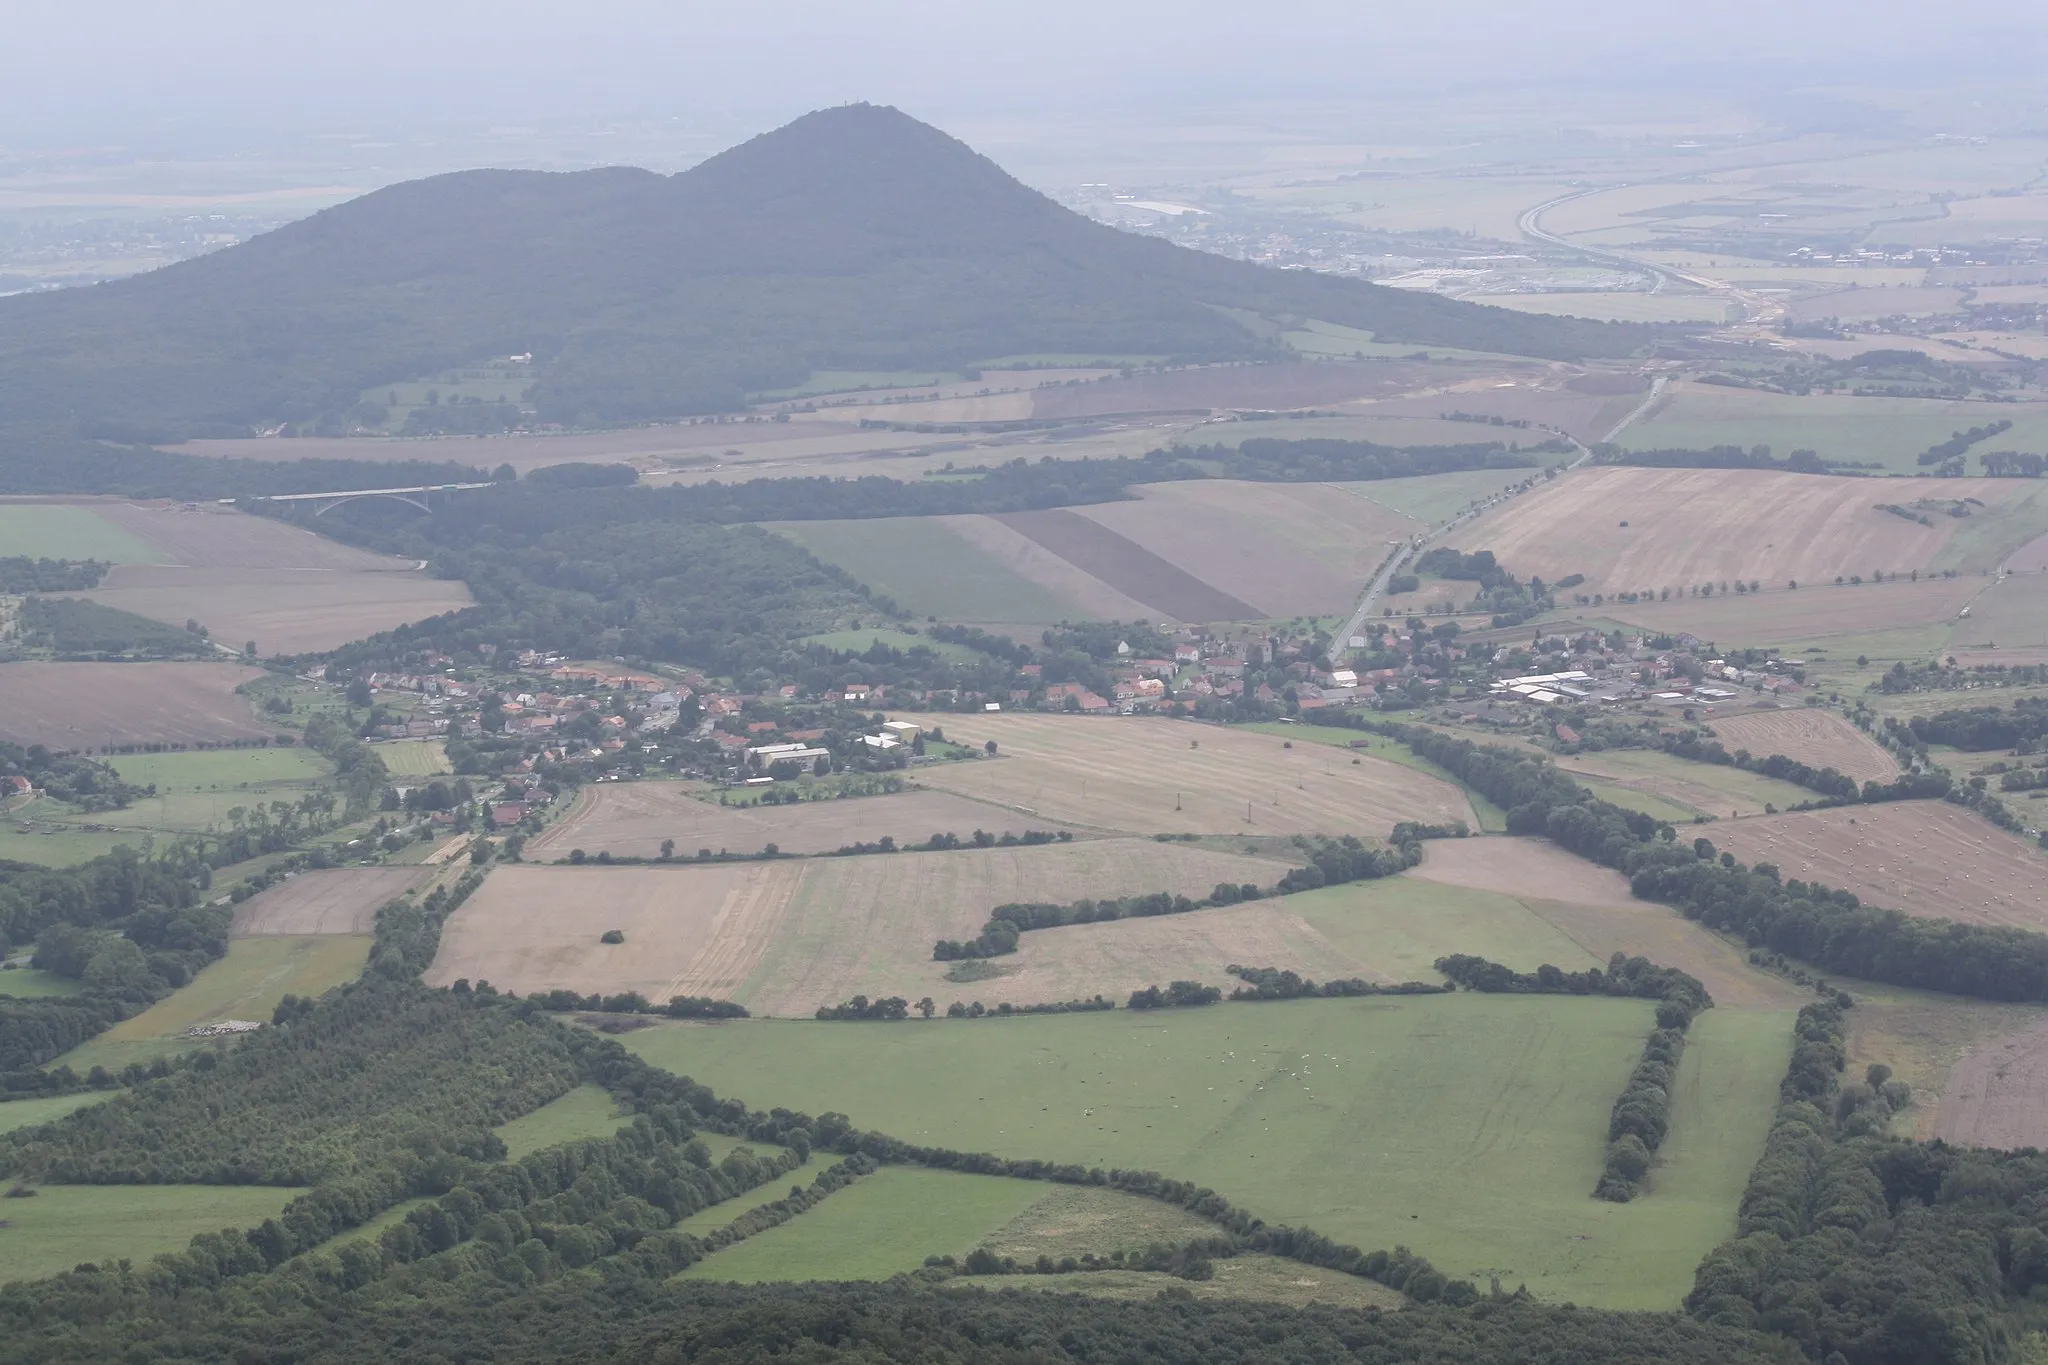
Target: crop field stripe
{"x": 927, "y": 568}
{"x": 1128, "y": 567}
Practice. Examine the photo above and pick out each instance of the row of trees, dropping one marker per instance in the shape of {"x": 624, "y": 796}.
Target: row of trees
{"x": 21, "y": 575}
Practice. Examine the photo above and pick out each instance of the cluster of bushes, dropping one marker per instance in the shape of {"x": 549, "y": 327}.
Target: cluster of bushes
{"x": 1193, "y": 1260}
{"x": 21, "y": 575}
{"x": 87, "y": 783}
{"x": 1271, "y": 983}
{"x": 861, "y": 1008}
{"x": 977, "y": 1010}
{"x": 1951, "y": 451}
{"x": 2019, "y": 726}
{"x": 1178, "y": 994}
{"x": 999, "y": 936}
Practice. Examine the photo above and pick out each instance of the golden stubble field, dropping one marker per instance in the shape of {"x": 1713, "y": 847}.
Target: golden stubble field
{"x": 248, "y": 578}
{"x": 632, "y": 819}
{"x": 1818, "y": 738}
{"x": 1630, "y": 530}
{"x": 1921, "y": 857}
{"x": 340, "y": 900}
{"x": 1154, "y": 776}
{"x": 787, "y": 936}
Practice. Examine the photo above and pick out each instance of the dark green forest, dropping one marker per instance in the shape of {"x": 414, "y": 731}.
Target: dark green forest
{"x": 855, "y": 238}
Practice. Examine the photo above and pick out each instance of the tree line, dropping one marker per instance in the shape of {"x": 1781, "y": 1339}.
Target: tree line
{"x": 21, "y": 575}
{"x": 1830, "y": 928}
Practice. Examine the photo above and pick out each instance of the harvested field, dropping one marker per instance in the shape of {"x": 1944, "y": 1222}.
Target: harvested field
{"x": 1632, "y": 530}
{"x": 785, "y": 937}
{"x": 1780, "y": 617}
{"x": 1923, "y": 1037}
{"x": 1155, "y": 776}
{"x": 1997, "y": 1095}
{"x": 284, "y": 610}
{"x": 2008, "y": 624}
{"x": 537, "y": 928}
{"x": 1849, "y": 304}
{"x": 1522, "y": 868}
{"x": 341, "y": 900}
{"x": 631, "y": 819}
{"x": 1922, "y": 857}
{"x": 1116, "y": 958}
{"x": 1588, "y": 416}
{"x": 1817, "y": 738}
{"x": 865, "y": 926}
{"x": 1090, "y": 597}
{"x": 88, "y": 706}
{"x": 215, "y": 537}
{"x": 1238, "y": 386}
{"x": 1128, "y": 567}
{"x": 1198, "y": 528}
{"x": 2029, "y": 558}
{"x": 1719, "y": 790}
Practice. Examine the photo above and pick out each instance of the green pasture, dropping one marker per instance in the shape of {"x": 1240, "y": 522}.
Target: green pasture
{"x": 1468, "y": 1127}
{"x": 57, "y": 848}
{"x": 196, "y": 789}
{"x": 860, "y": 641}
{"x": 1891, "y": 431}
{"x": 1431, "y": 498}
{"x": 706, "y": 1221}
{"x": 881, "y": 1225}
{"x": 26, "y": 983}
{"x": 1400, "y": 926}
{"x": 1726, "y": 781}
{"x": 246, "y": 984}
{"x": 28, "y": 1113}
{"x": 927, "y": 569}
{"x": 65, "y": 531}
{"x": 67, "y": 1225}
{"x": 1636, "y": 799}
{"x": 415, "y": 758}
{"x": 585, "y": 1112}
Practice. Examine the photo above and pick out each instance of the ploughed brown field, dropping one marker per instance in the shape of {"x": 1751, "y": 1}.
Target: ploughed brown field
{"x": 1128, "y": 567}
{"x": 1631, "y": 530}
{"x": 1921, "y": 857}
{"x": 784, "y": 937}
{"x": 90, "y": 706}
{"x": 340, "y": 900}
{"x": 1817, "y": 738}
{"x": 1156, "y": 776}
{"x": 631, "y": 819}
{"x": 255, "y": 578}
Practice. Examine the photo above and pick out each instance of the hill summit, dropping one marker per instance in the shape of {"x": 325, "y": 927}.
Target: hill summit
{"x": 854, "y": 238}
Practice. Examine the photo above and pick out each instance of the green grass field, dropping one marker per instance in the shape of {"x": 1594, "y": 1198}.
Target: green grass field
{"x": 1632, "y": 798}
{"x": 246, "y": 984}
{"x": 1402, "y": 925}
{"x": 196, "y": 789}
{"x": 66, "y": 1225}
{"x": 59, "y": 848}
{"x": 1716, "y": 789}
{"x": 57, "y": 531}
{"x": 26, "y": 983}
{"x": 881, "y": 1225}
{"x": 415, "y": 757}
{"x": 1889, "y": 430}
{"x": 1468, "y": 1127}
{"x": 585, "y": 1112}
{"x": 27, "y": 1113}
{"x": 927, "y": 569}
{"x": 704, "y": 1222}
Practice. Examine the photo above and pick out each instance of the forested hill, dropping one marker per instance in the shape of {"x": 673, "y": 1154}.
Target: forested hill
{"x": 853, "y": 238}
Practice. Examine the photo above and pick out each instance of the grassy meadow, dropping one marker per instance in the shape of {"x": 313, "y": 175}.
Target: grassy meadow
{"x": 585, "y": 1112}
{"x": 246, "y": 984}
{"x": 1891, "y": 431}
{"x": 60, "y": 531}
{"x": 27, "y": 1113}
{"x": 927, "y": 569}
{"x": 1468, "y": 1127}
{"x": 67, "y": 1225}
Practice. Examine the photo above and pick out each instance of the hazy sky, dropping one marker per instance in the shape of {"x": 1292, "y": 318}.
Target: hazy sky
{"x": 85, "y": 68}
